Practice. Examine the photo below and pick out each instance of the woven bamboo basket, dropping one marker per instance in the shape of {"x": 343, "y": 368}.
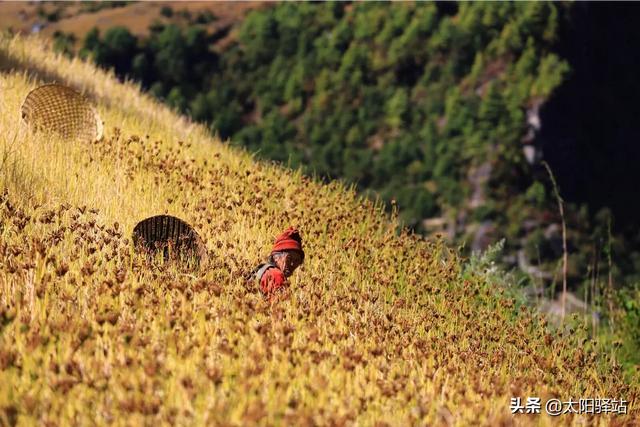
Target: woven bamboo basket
{"x": 59, "y": 109}
{"x": 166, "y": 238}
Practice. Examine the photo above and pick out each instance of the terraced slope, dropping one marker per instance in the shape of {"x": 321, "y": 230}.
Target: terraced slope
{"x": 377, "y": 327}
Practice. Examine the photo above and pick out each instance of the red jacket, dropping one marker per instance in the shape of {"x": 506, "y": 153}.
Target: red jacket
{"x": 272, "y": 280}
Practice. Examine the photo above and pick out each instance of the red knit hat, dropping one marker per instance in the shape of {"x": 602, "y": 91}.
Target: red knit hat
{"x": 289, "y": 240}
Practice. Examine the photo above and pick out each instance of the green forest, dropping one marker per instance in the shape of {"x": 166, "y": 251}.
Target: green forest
{"x": 360, "y": 92}
{"x": 422, "y": 104}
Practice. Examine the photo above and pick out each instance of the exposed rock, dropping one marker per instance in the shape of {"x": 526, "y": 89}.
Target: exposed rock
{"x": 531, "y": 154}
{"x": 573, "y": 305}
{"x": 484, "y": 236}
{"x": 533, "y": 271}
{"x": 478, "y": 178}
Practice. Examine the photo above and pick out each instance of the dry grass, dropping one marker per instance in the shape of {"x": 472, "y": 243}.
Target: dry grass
{"x": 377, "y": 328}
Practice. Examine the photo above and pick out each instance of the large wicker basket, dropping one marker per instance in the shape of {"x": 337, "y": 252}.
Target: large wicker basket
{"x": 169, "y": 239}
{"x": 59, "y": 109}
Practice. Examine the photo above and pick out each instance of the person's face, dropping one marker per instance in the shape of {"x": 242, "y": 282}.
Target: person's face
{"x": 288, "y": 262}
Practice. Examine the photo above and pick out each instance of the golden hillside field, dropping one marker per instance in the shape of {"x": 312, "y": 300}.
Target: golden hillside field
{"x": 77, "y": 18}
{"x": 377, "y": 329}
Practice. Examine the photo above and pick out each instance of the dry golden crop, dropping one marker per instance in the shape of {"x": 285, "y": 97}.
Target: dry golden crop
{"x": 376, "y": 329}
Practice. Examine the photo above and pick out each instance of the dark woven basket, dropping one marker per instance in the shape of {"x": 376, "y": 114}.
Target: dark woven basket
{"x": 60, "y": 109}
{"x": 169, "y": 239}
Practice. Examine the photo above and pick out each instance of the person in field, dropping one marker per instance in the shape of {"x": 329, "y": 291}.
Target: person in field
{"x": 286, "y": 255}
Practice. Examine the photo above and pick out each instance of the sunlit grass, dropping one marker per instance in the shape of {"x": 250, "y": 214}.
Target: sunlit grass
{"x": 377, "y": 327}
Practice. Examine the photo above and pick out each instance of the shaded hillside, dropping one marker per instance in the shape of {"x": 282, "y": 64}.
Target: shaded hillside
{"x": 589, "y": 127}
{"x": 377, "y": 327}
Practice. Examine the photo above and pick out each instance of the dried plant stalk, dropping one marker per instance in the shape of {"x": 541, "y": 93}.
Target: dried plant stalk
{"x": 565, "y": 253}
